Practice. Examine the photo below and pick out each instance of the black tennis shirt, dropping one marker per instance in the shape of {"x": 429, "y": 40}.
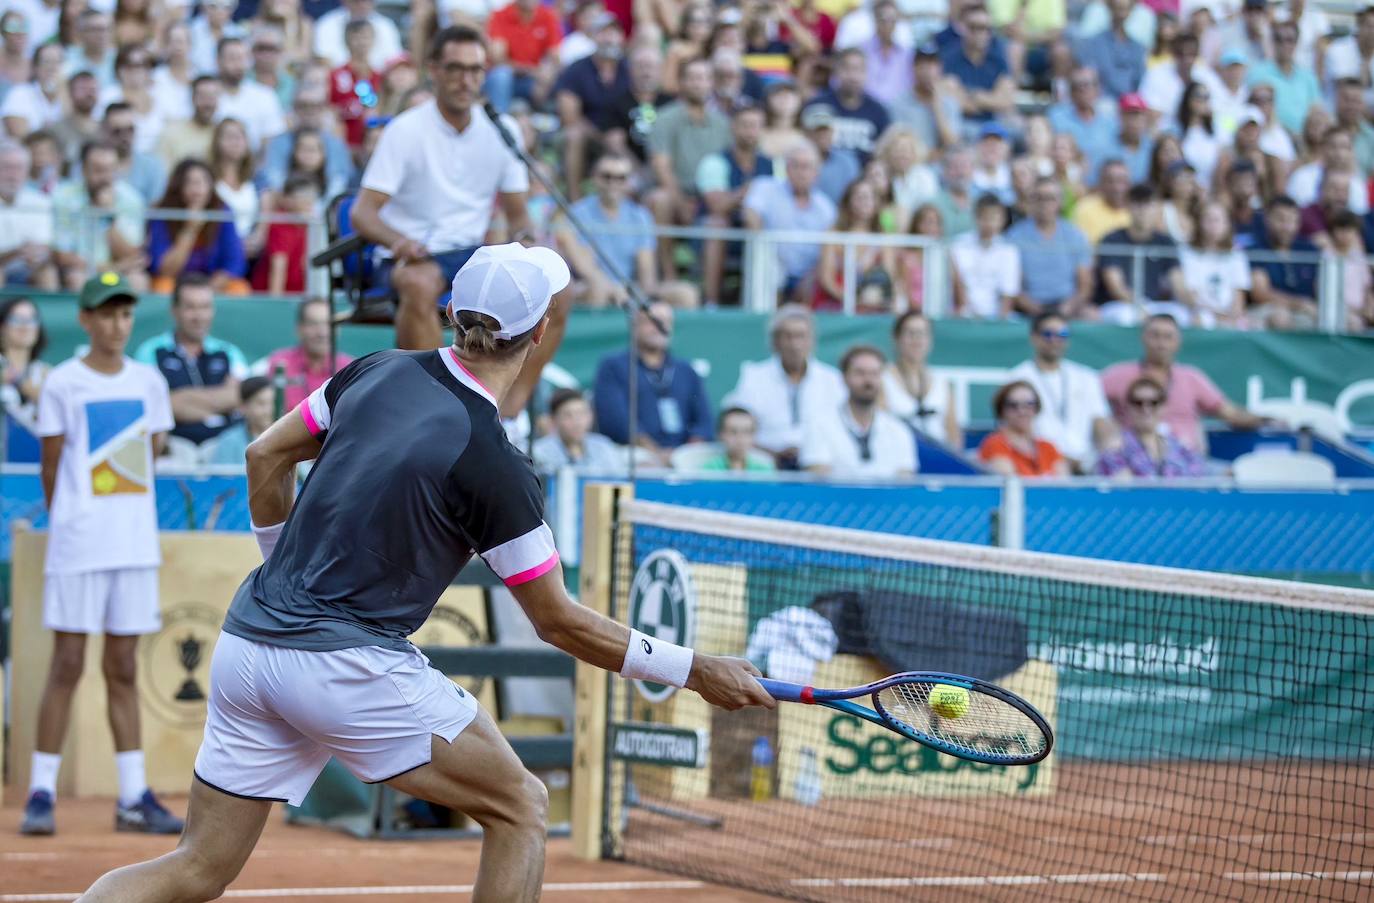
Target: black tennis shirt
{"x": 415, "y": 474}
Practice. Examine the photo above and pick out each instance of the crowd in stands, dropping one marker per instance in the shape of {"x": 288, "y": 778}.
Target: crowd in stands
{"x": 1111, "y": 158}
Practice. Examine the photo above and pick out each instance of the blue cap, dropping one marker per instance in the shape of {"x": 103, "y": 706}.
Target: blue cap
{"x": 992, "y": 130}
{"x": 1234, "y": 57}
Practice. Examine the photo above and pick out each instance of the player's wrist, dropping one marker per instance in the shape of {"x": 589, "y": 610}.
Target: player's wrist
{"x": 652, "y": 659}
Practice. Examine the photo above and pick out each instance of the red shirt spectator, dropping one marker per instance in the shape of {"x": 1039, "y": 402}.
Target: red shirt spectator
{"x": 288, "y": 240}
{"x": 1191, "y": 397}
{"x": 818, "y": 23}
{"x": 346, "y": 96}
{"x": 530, "y": 32}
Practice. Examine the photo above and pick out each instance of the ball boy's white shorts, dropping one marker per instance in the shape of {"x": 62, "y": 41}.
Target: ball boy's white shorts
{"x": 276, "y": 715}
{"x": 122, "y": 601}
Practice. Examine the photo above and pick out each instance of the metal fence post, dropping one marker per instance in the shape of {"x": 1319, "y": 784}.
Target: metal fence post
{"x": 851, "y": 277}
{"x": 935, "y": 280}
{"x": 1331, "y": 294}
{"x": 1011, "y": 515}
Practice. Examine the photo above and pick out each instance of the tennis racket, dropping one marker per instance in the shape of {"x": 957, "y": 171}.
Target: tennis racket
{"x": 999, "y": 727}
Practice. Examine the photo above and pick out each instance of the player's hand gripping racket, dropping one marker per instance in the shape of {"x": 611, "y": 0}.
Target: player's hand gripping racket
{"x": 962, "y": 716}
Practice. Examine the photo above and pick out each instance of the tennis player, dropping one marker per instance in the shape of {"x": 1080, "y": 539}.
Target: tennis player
{"x": 412, "y": 475}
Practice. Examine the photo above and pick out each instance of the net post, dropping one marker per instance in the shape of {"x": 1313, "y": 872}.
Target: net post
{"x": 1011, "y": 515}
{"x": 591, "y": 683}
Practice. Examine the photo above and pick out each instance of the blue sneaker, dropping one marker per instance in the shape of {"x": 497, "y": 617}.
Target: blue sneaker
{"x": 38, "y": 817}
{"x": 147, "y": 816}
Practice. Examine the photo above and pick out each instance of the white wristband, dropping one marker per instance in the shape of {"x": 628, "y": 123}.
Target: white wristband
{"x": 267, "y": 538}
{"x": 648, "y": 658}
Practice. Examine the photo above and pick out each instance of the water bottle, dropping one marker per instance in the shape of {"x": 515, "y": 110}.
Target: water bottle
{"x": 807, "y": 787}
{"x": 761, "y": 774}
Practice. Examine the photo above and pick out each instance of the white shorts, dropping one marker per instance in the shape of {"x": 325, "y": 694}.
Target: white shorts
{"x": 122, "y": 602}
{"x": 276, "y": 715}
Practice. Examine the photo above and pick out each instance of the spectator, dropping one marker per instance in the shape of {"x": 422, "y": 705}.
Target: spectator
{"x": 174, "y": 76}
{"x": 956, "y": 199}
{"x": 917, "y": 394}
{"x": 46, "y": 165}
{"x": 22, "y": 343}
{"x": 1337, "y": 156}
{"x": 207, "y": 247}
{"x": 991, "y": 169}
{"x": 269, "y": 69}
{"x": 1213, "y": 276}
{"x": 1163, "y": 85}
{"x": 1313, "y": 29}
{"x": 1283, "y": 271}
{"x": 1069, "y": 170}
{"x": 735, "y": 431}
{"x": 792, "y": 201}
{"x": 214, "y": 25}
{"x": 1074, "y": 414}
{"x": 588, "y": 94}
{"x": 294, "y": 25}
{"x": 1106, "y": 209}
{"x": 889, "y": 73}
{"x": 930, "y": 108}
{"x": 689, "y": 43}
{"x": 1201, "y": 144}
{"x": 1347, "y": 245}
{"x": 683, "y": 134}
{"x": 134, "y": 23}
{"x": 1146, "y": 450}
{"x": 1089, "y": 119}
{"x": 310, "y": 160}
{"x": 672, "y": 405}
{"x": 1247, "y": 34}
{"x": 1245, "y": 149}
{"x": 781, "y": 119}
{"x": 859, "y": 117}
{"x": 635, "y": 111}
{"x": 306, "y": 365}
{"x": 231, "y": 162}
{"x": 572, "y": 443}
{"x": 329, "y": 33}
{"x": 821, "y": 25}
{"x": 310, "y": 110}
{"x": 1352, "y": 57}
{"x": 94, "y": 51}
{"x": 1352, "y": 116}
{"x": 789, "y": 390}
{"x": 133, "y": 88}
{"x": 79, "y": 125}
{"x": 14, "y": 50}
{"x": 1191, "y": 394}
{"x": 911, "y": 262}
{"x": 280, "y": 268}
{"x": 1232, "y": 91}
{"x": 1120, "y": 297}
{"x": 977, "y": 71}
{"x": 579, "y": 43}
{"x": 874, "y": 265}
{"x": 722, "y": 181}
{"x": 252, "y": 104}
{"x": 1295, "y": 85}
{"x": 986, "y": 267}
{"x": 1038, "y": 144}
{"x": 26, "y": 224}
{"x": 1014, "y": 450}
{"x": 191, "y": 138}
{"x": 858, "y": 438}
{"x": 1181, "y": 200}
{"x": 37, "y": 103}
{"x": 1056, "y": 261}
{"x": 353, "y": 86}
{"x": 1244, "y": 204}
{"x": 429, "y": 218}
{"x": 913, "y": 181}
{"x": 524, "y": 52}
{"x": 142, "y": 171}
{"x": 1113, "y": 53}
{"x": 98, "y": 221}
{"x": 202, "y": 371}
{"x": 839, "y": 165}
{"x": 257, "y": 403}
{"x": 1274, "y": 139}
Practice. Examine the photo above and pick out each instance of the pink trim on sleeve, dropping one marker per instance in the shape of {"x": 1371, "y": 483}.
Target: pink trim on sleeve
{"x": 533, "y": 573}
{"x": 308, "y": 416}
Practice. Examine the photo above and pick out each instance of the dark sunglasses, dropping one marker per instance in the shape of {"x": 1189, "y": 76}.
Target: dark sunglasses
{"x": 1052, "y": 334}
{"x": 1021, "y": 404}
{"x": 1150, "y": 403}
{"x": 613, "y": 176}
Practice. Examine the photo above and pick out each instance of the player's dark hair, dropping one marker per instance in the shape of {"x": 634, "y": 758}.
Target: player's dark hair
{"x": 252, "y": 386}
{"x": 999, "y": 399}
{"x": 477, "y": 336}
{"x": 562, "y": 397}
{"x": 860, "y": 350}
{"x": 454, "y": 34}
{"x": 188, "y": 280}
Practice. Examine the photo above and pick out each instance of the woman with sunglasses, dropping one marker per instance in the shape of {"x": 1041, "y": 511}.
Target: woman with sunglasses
{"x": 22, "y": 340}
{"x": 1013, "y": 449}
{"x": 1145, "y": 450}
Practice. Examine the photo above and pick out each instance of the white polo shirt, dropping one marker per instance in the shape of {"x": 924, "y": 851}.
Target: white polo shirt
{"x": 1071, "y": 398}
{"x": 989, "y": 273}
{"x": 441, "y": 182}
{"x": 784, "y": 408}
{"x": 836, "y": 442}
{"x": 257, "y": 107}
{"x": 27, "y": 101}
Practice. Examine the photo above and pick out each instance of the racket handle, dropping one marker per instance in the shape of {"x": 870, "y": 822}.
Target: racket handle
{"x": 784, "y": 691}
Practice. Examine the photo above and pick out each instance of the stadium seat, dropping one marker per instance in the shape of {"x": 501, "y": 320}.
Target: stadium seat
{"x": 1284, "y": 468}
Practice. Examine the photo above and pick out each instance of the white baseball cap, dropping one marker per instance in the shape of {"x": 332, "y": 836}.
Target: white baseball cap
{"x": 510, "y": 283}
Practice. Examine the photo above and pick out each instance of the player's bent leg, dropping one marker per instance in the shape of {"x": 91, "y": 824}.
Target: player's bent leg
{"x": 479, "y": 775}
{"x": 221, "y": 831}
{"x": 418, "y": 287}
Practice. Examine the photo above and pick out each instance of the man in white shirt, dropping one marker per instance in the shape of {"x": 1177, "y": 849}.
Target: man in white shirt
{"x": 987, "y": 267}
{"x": 859, "y": 439}
{"x": 329, "y": 34}
{"x": 1353, "y": 55}
{"x": 1073, "y": 408}
{"x": 427, "y": 193}
{"x": 26, "y": 255}
{"x": 255, "y": 105}
{"x": 1162, "y": 87}
{"x": 1337, "y": 156}
{"x": 37, "y": 103}
{"x": 790, "y": 390}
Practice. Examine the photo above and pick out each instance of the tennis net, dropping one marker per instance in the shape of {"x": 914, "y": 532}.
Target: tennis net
{"x": 1213, "y": 733}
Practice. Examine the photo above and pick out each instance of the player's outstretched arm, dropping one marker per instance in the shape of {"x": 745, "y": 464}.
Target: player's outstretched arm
{"x": 271, "y": 462}
{"x": 595, "y": 639}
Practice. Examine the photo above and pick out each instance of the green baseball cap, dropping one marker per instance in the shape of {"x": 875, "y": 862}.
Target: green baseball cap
{"x": 103, "y": 288}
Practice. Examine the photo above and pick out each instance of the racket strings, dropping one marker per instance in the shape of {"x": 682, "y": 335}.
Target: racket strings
{"x": 989, "y": 727}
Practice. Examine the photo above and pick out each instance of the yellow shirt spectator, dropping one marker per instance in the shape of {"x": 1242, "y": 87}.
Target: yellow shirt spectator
{"x": 1092, "y": 215}
{"x": 1041, "y": 18}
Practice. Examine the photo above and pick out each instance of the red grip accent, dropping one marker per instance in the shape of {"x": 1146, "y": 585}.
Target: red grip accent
{"x": 807, "y": 697}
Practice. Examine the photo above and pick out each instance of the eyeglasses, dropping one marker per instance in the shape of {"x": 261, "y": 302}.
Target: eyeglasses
{"x": 1047, "y": 198}
{"x": 120, "y": 129}
{"x": 268, "y": 48}
{"x": 1147, "y": 404}
{"x": 137, "y": 63}
{"x": 1285, "y": 39}
{"x": 450, "y": 70}
{"x": 1053, "y": 334}
{"x": 1083, "y": 84}
{"x": 1021, "y": 404}
{"x": 613, "y": 176}
{"x": 21, "y": 320}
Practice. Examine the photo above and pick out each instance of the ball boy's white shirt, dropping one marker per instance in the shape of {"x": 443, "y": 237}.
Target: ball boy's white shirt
{"x": 104, "y": 511}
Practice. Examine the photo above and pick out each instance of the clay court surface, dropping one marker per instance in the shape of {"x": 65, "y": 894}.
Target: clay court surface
{"x": 315, "y": 865}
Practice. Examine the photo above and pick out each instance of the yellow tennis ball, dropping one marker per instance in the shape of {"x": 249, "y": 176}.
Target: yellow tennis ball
{"x": 948, "y": 702}
{"x": 104, "y": 482}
